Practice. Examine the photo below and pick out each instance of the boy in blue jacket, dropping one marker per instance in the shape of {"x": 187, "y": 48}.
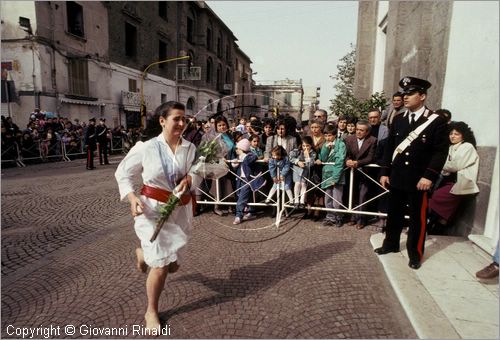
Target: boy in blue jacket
{"x": 249, "y": 179}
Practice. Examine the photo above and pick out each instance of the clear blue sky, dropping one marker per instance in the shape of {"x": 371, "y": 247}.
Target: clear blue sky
{"x": 293, "y": 39}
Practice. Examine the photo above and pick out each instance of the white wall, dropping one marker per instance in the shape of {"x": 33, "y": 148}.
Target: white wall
{"x": 471, "y": 83}
{"x": 471, "y": 87}
{"x": 10, "y": 12}
{"x": 379, "y": 63}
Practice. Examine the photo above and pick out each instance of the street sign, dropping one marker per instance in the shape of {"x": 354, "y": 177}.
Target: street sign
{"x": 191, "y": 73}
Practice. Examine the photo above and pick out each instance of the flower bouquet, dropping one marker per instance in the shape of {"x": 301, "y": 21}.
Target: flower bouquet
{"x": 165, "y": 210}
{"x": 211, "y": 163}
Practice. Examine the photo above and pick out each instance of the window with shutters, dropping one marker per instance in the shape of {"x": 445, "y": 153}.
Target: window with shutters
{"x": 132, "y": 85}
{"x": 78, "y": 76}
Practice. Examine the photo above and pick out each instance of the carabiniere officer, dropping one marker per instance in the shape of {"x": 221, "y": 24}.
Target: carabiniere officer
{"x": 411, "y": 171}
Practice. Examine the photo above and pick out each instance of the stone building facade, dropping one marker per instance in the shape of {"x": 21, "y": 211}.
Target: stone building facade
{"x": 145, "y": 32}
{"x": 244, "y": 99}
{"x": 87, "y": 59}
{"x": 310, "y": 102}
{"x": 279, "y": 96}
{"x": 454, "y": 45}
{"x": 58, "y": 60}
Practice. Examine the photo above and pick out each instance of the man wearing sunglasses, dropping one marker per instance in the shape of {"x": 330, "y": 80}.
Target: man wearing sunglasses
{"x": 321, "y": 114}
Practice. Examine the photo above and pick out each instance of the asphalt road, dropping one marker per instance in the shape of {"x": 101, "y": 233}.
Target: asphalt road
{"x": 68, "y": 259}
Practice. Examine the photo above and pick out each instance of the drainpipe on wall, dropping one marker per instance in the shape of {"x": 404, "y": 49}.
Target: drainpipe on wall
{"x": 178, "y": 36}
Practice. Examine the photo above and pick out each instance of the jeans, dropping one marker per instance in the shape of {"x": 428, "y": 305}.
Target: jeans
{"x": 244, "y": 195}
{"x": 334, "y": 191}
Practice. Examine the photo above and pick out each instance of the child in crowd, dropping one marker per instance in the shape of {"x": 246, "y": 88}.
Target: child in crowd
{"x": 333, "y": 153}
{"x": 242, "y": 126}
{"x": 302, "y": 160}
{"x": 279, "y": 160}
{"x": 255, "y": 146}
{"x": 237, "y": 136}
{"x": 249, "y": 179}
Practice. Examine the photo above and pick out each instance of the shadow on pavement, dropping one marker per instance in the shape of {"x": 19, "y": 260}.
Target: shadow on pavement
{"x": 251, "y": 279}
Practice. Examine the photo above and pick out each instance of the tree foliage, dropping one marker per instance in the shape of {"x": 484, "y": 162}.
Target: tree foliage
{"x": 345, "y": 102}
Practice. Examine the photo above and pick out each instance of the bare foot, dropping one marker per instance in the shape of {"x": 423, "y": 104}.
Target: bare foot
{"x": 152, "y": 322}
{"x": 173, "y": 267}
{"x": 141, "y": 265}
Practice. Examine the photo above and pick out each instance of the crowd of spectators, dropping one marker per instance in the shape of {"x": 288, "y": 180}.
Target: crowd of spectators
{"x": 43, "y": 137}
{"x": 298, "y": 146}
{"x": 282, "y": 142}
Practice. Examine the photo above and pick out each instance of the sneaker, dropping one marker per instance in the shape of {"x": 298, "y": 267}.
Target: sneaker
{"x": 248, "y": 217}
{"x": 489, "y": 272}
{"x": 237, "y": 220}
{"x": 219, "y": 212}
{"x": 339, "y": 223}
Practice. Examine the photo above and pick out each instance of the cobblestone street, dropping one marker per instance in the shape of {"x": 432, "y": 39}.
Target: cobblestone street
{"x": 68, "y": 258}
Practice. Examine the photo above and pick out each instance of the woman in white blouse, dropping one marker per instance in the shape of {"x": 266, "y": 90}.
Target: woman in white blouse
{"x": 164, "y": 163}
{"x": 459, "y": 177}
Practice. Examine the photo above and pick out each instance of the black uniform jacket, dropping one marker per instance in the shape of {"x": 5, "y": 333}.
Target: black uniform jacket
{"x": 424, "y": 157}
{"x": 91, "y": 137}
{"x": 101, "y": 133}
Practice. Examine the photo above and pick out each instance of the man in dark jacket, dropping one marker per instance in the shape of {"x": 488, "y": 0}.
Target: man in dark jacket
{"x": 360, "y": 152}
{"x": 102, "y": 138}
{"x": 90, "y": 141}
{"x": 410, "y": 168}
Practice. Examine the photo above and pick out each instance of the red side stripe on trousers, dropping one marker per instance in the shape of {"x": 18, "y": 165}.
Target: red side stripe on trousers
{"x": 423, "y": 224}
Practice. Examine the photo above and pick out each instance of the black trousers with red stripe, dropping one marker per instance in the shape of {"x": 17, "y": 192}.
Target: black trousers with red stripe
{"x": 90, "y": 157}
{"x": 413, "y": 203}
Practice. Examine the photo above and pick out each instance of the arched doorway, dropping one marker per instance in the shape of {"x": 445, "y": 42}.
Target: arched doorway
{"x": 219, "y": 106}
{"x": 190, "y": 106}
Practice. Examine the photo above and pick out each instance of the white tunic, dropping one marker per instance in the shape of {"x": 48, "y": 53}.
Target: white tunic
{"x": 144, "y": 159}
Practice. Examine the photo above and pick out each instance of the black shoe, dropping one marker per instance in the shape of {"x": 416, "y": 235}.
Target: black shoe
{"x": 414, "y": 264}
{"x": 383, "y": 251}
{"x": 90, "y": 168}
{"x": 328, "y": 223}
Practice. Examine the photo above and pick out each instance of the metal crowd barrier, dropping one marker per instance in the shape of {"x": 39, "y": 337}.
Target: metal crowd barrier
{"x": 12, "y": 154}
{"x": 282, "y": 203}
{"x": 74, "y": 151}
{"x": 39, "y": 152}
{"x": 120, "y": 144}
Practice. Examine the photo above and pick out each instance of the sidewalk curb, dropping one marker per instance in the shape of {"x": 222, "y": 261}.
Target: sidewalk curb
{"x": 425, "y": 315}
